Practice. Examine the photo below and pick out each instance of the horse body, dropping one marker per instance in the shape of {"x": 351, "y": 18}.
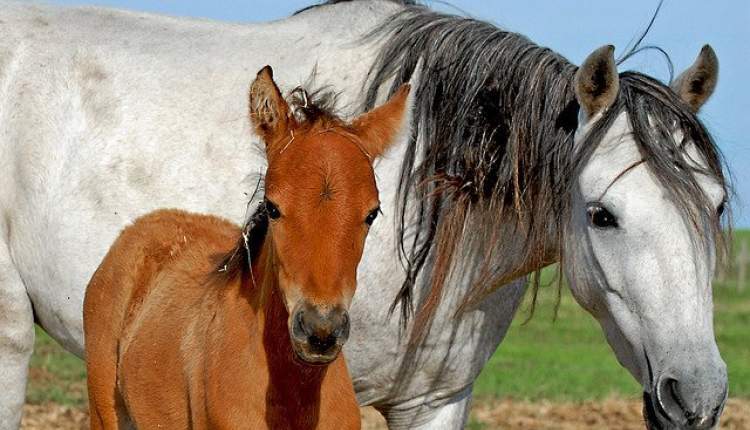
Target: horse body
{"x": 145, "y": 114}
{"x": 81, "y": 141}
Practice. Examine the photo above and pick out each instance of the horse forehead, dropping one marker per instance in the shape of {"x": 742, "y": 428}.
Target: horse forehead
{"x": 618, "y": 151}
{"x": 615, "y": 153}
{"x": 323, "y": 168}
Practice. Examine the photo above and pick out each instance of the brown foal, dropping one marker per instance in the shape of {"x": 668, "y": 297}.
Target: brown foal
{"x": 192, "y": 322}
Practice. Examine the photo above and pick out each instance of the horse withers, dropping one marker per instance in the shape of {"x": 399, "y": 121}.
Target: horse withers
{"x": 191, "y": 322}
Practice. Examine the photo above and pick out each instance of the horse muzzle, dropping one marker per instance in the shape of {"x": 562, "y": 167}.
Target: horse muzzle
{"x": 693, "y": 403}
{"x": 317, "y": 335}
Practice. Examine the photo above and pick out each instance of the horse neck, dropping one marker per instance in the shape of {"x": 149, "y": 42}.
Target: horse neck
{"x": 538, "y": 146}
{"x": 288, "y": 377}
{"x": 491, "y": 146}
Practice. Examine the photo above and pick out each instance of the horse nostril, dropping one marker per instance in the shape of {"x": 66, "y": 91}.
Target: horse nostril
{"x": 674, "y": 407}
{"x": 668, "y": 401}
{"x": 683, "y": 405}
{"x": 671, "y": 385}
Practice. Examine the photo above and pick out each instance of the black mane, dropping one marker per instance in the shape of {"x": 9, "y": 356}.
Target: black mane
{"x": 494, "y": 117}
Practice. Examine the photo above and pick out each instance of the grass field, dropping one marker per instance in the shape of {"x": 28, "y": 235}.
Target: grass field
{"x": 562, "y": 360}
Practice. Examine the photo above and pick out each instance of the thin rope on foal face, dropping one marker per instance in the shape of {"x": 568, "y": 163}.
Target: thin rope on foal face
{"x": 281, "y": 151}
{"x": 346, "y": 136}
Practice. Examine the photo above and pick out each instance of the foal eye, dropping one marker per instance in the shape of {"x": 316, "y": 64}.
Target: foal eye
{"x": 272, "y": 210}
{"x": 602, "y": 218}
{"x": 371, "y": 216}
{"x": 722, "y": 207}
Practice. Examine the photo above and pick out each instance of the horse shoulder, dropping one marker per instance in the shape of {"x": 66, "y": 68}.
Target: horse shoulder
{"x": 232, "y": 358}
{"x": 168, "y": 309}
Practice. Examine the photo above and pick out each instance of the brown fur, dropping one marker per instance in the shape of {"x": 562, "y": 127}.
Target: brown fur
{"x": 171, "y": 343}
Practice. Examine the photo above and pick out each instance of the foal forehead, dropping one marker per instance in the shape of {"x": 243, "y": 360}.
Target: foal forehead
{"x": 326, "y": 164}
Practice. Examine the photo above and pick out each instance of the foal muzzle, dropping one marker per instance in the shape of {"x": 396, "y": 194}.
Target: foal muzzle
{"x": 317, "y": 334}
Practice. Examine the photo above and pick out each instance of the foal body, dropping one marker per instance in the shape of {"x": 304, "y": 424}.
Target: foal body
{"x": 191, "y": 348}
{"x": 192, "y": 322}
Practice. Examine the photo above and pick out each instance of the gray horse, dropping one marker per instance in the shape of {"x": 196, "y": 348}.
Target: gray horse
{"x": 515, "y": 159}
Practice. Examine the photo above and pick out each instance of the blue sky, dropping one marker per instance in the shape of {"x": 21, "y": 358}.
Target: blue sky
{"x": 575, "y": 28}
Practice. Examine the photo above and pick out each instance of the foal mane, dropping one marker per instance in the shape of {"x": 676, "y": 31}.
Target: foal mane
{"x": 239, "y": 260}
{"x": 494, "y": 120}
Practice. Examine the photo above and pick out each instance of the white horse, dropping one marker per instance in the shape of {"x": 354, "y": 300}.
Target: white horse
{"x": 106, "y": 115}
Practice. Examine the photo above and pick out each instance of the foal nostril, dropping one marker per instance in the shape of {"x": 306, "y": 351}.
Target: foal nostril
{"x": 323, "y": 331}
{"x": 299, "y": 329}
{"x": 330, "y": 331}
{"x": 342, "y": 328}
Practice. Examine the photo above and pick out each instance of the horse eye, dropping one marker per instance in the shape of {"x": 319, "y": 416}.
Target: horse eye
{"x": 272, "y": 210}
{"x": 602, "y": 218}
{"x": 371, "y": 216}
{"x": 722, "y": 207}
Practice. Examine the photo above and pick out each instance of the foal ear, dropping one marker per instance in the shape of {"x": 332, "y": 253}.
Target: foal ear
{"x": 379, "y": 128}
{"x": 696, "y": 84}
{"x": 596, "y": 82}
{"x": 269, "y": 112}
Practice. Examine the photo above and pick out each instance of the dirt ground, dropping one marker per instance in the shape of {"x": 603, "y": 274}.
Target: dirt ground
{"x": 500, "y": 414}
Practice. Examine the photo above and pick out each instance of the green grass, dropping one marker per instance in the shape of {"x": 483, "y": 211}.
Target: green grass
{"x": 55, "y": 374}
{"x": 564, "y": 359}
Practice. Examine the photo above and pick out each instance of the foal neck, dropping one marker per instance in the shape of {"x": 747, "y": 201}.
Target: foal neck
{"x": 293, "y": 395}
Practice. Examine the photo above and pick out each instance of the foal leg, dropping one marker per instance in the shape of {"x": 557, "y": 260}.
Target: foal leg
{"x": 102, "y": 321}
{"x": 106, "y": 407}
{"x": 16, "y": 341}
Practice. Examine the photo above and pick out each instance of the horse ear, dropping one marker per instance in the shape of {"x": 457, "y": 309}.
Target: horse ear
{"x": 596, "y": 82}
{"x": 379, "y": 128}
{"x": 269, "y": 112}
{"x": 696, "y": 84}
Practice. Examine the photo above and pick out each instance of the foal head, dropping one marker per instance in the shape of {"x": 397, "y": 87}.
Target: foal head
{"x": 320, "y": 200}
